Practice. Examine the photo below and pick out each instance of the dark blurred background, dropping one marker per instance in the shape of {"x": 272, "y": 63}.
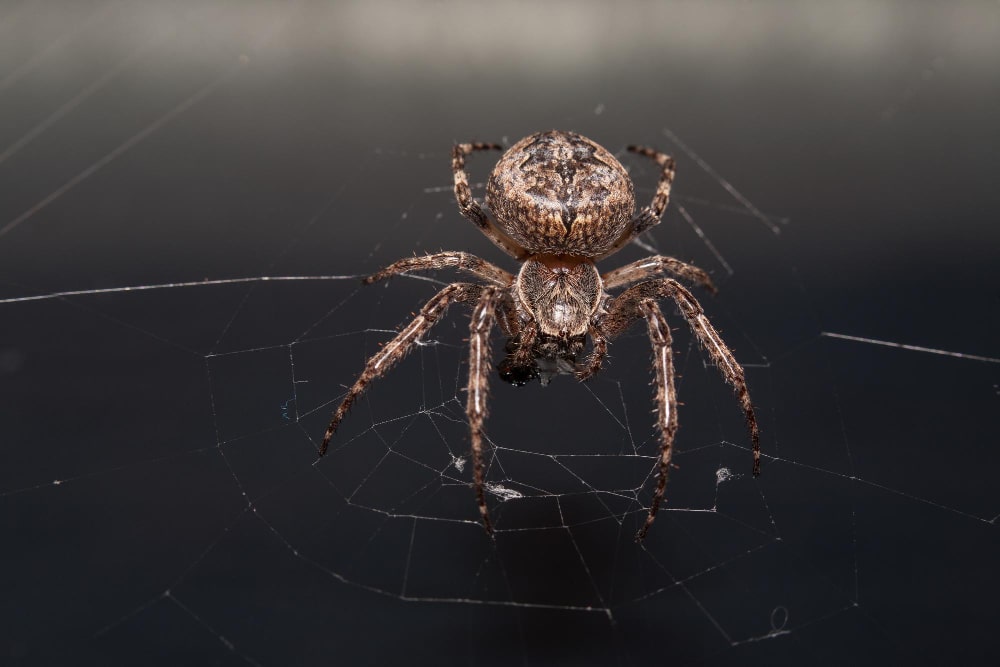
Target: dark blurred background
{"x": 160, "y": 498}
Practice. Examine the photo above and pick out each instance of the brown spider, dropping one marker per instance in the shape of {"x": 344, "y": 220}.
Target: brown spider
{"x": 560, "y": 203}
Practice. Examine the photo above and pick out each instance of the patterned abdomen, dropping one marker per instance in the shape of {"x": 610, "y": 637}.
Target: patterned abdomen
{"x": 561, "y": 193}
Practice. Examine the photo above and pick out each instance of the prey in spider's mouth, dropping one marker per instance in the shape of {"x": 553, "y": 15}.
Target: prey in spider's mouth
{"x": 553, "y": 355}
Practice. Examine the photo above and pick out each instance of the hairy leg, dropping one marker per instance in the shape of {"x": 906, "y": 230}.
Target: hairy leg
{"x": 524, "y": 355}
{"x": 470, "y": 208}
{"x": 667, "y": 170}
{"x": 620, "y": 317}
{"x": 518, "y": 367}
{"x": 593, "y": 364}
{"x": 392, "y": 352}
{"x": 654, "y": 267}
{"x": 462, "y": 261}
{"x": 649, "y": 216}
{"x": 477, "y": 402}
{"x": 666, "y": 401}
{"x": 507, "y": 317}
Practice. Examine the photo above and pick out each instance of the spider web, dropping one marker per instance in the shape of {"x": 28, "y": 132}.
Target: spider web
{"x": 161, "y": 485}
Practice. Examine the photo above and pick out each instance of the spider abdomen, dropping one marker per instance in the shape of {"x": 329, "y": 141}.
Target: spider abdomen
{"x": 560, "y": 192}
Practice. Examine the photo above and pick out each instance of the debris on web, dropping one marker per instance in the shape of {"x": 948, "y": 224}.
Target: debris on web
{"x": 502, "y": 492}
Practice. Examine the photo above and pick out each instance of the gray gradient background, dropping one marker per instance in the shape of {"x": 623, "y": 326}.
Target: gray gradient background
{"x": 152, "y": 143}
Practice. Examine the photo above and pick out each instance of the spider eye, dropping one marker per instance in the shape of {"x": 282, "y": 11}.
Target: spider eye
{"x": 516, "y": 375}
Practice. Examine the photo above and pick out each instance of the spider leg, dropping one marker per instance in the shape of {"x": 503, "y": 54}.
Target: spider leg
{"x": 507, "y": 317}
{"x": 524, "y": 354}
{"x": 471, "y": 209}
{"x": 462, "y": 261}
{"x": 643, "y": 269}
{"x": 382, "y": 361}
{"x": 648, "y": 216}
{"x": 662, "y": 195}
{"x": 477, "y": 404}
{"x": 620, "y": 315}
{"x": 593, "y": 364}
{"x": 653, "y": 267}
{"x": 666, "y": 400}
{"x": 518, "y": 367}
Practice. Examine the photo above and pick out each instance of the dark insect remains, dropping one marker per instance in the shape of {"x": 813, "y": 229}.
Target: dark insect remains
{"x": 557, "y": 202}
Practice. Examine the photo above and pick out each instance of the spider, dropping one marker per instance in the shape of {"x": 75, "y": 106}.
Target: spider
{"x": 559, "y": 202}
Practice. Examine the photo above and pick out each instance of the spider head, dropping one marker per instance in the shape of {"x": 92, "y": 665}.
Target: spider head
{"x": 561, "y": 293}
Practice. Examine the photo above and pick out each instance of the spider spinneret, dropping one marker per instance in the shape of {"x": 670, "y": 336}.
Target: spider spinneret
{"x": 559, "y": 202}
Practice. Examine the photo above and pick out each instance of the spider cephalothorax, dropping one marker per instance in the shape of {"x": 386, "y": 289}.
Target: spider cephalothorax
{"x": 556, "y": 297}
{"x": 560, "y": 203}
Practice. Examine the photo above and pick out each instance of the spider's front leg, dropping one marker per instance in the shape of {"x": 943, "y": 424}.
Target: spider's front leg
{"x": 392, "y": 352}
{"x": 643, "y": 269}
{"x": 477, "y": 402}
{"x": 633, "y": 303}
{"x": 592, "y": 365}
{"x": 622, "y": 312}
{"x": 666, "y": 400}
{"x": 618, "y": 320}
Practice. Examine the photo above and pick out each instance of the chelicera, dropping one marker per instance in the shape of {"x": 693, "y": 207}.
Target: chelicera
{"x": 559, "y": 203}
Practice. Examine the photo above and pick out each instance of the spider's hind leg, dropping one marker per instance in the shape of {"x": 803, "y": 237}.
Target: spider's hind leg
{"x": 667, "y": 170}
{"x": 648, "y": 216}
{"x": 470, "y": 208}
